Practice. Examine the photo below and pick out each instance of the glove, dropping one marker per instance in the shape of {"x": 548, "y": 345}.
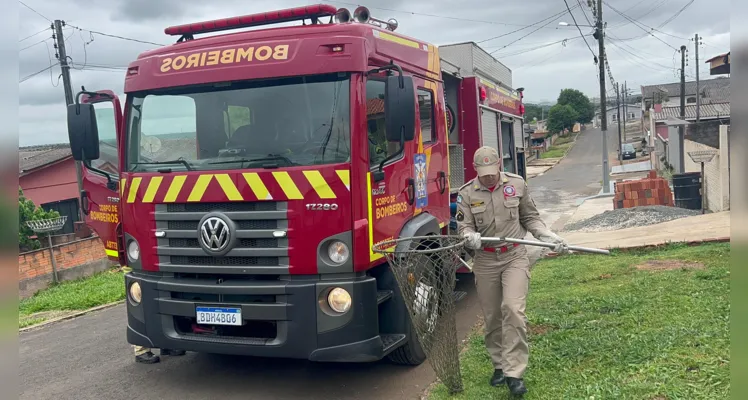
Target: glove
{"x": 550, "y": 237}
{"x": 473, "y": 240}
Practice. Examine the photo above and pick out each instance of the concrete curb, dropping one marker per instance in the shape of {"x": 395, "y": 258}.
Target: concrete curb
{"x": 655, "y": 246}
{"x": 71, "y": 316}
{"x": 687, "y": 243}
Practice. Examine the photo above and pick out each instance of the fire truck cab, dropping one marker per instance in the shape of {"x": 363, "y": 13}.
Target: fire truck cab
{"x": 247, "y": 176}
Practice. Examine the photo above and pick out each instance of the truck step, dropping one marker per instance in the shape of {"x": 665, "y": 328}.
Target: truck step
{"x": 459, "y": 295}
{"x": 383, "y": 295}
{"x": 391, "y": 342}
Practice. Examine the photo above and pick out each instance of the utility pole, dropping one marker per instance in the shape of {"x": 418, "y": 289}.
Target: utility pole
{"x": 620, "y": 142}
{"x": 66, "y": 83}
{"x": 625, "y": 108}
{"x": 698, "y": 93}
{"x": 603, "y": 114}
{"x": 682, "y": 128}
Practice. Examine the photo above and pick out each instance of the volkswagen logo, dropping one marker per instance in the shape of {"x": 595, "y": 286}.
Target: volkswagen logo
{"x": 216, "y": 234}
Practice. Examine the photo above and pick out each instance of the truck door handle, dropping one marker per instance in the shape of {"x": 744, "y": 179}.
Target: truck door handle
{"x": 84, "y": 202}
{"x": 441, "y": 181}
{"x": 411, "y": 191}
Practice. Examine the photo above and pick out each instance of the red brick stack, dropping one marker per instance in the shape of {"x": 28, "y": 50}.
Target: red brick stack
{"x": 651, "y": 191}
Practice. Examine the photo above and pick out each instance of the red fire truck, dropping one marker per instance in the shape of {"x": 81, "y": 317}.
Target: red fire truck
{"x": 247, "y": 175}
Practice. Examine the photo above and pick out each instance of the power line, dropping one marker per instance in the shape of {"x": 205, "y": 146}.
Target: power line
{"x": 583, "y": 12}
{"x": 637, "y": 24}
{"x": 524, "y": 51}
{"x": 30, "y": 46}
{"x": 558, "y": 14}
{"x": 117, "y": 36}
{"x": 435, "y": 16}
{"x": 27, "y": 77}
{"x": 522, "y": 37}
{"x": 37, "y": 12}
{"x": 642, "y": 63}
{"x": 30, "y": 36}
{"x": 639, "y": 51}
{"x": 580, "y": 30}
{"x": 676, "y": 14}
{"x": 657, "y": 4}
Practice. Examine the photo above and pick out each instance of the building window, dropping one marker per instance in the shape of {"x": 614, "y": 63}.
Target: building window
{"x": 614, "y": 117}
{"x": 426, "y": 112}
{"x": 379, "y": 148}
{"x": 691, "y": 100}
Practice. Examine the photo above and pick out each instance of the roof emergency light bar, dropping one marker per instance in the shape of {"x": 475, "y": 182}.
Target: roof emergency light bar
{"x": 271, "y": 17}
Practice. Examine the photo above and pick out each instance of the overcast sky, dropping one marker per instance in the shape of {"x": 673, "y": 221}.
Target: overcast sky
{"x": 539, "y": 66}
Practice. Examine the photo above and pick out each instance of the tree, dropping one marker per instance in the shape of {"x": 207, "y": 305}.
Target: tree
{"x": 560, "y": 117}
{"x": 579, "y": 102}
{"x": 28, "y": 211}
{"x": 534, "y": 111}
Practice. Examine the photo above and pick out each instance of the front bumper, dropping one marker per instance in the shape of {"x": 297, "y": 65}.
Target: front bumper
{"x": 282, "y": 317}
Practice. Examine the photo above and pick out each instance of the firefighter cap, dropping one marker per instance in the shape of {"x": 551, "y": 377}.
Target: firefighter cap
{"x": 486, "y": 161}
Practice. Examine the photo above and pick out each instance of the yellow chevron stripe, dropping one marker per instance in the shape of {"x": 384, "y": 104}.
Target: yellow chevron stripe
{"x": 199, "y": 189}
{"x": 153, "y": 186}
{"x": 122, "y": 184}
{"x": 286, "y": 183}
{"x": 133, "y": 189}
{"x": 257, "y": 186}
{"x": 175, "y": 188}
{"x": 229, "y": 188}
{"x": 345, "y": 177}
{"x": 319, "y": 184}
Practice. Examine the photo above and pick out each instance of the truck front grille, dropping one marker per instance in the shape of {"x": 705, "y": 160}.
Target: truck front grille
{"x": 257, "y": 250}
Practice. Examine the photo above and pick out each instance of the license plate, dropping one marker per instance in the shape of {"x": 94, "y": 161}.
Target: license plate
{"x": 219, "y": 316}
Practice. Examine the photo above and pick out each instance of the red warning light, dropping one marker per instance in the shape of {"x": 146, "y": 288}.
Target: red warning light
{"x": 482, "y": 93}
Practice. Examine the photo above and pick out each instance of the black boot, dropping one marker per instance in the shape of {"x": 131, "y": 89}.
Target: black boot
{"x": 516, "y": 386}
{"x": 147, "y": 358}
{"x": 497, "y": 378}
{"x": 174, "y": 353}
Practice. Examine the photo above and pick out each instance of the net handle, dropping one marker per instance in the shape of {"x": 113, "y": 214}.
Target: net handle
{"x": 380, "y": 247}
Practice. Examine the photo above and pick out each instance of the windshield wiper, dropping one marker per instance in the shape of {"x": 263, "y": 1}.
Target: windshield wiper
{"x": 270, "y": 157}
{"x": 177, "y": 161}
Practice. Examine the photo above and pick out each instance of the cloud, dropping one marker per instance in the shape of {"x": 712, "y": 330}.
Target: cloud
{"x": 543, "y": 68}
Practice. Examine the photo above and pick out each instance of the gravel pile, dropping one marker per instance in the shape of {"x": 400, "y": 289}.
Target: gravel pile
{"x": 630, "y": 217}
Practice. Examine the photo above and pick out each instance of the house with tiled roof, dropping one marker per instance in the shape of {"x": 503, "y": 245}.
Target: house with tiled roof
{"x": 46, "y": 174}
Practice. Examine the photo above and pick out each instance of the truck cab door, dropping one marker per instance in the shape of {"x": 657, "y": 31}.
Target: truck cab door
{"x": 100, "y": 195}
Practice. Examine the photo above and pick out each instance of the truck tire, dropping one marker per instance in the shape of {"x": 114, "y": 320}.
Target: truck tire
{"x": 410, "y": 353}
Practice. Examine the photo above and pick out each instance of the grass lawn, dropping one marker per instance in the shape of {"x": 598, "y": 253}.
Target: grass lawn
{"x": 559, "y": 148}
{"x": 67, "y": 297}
{"x": 601, "y": 328}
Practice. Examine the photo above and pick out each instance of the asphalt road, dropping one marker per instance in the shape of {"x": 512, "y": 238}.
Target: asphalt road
{"x": 89, "y": 358}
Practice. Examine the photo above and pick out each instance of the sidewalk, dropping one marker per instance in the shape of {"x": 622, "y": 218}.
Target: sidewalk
{"x": 689, "y": 229}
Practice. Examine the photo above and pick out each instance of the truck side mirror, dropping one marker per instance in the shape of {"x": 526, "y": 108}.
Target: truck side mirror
{"x": 400, "y": 108}
{"x": 83, "y": 132}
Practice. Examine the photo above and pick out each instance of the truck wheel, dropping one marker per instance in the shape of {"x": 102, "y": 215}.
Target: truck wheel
{"x": 410, "y": 353}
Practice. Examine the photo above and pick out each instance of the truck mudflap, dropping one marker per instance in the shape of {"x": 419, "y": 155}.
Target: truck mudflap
{"x": 279, "y": 318}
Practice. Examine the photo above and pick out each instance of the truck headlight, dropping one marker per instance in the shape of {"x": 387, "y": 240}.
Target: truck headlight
{"x": 135, "y": 293}
{"x": 339, "y": 300}
{"x": 338, "y": 252}
{"x": 133, "y": 250}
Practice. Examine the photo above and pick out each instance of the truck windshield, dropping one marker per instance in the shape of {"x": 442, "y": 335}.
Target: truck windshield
{"x": 272, "y": 123}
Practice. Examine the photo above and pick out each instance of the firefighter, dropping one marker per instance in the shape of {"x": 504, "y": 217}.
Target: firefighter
{"x": 498, "y": 204}
{"x": 145, "y": 355}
